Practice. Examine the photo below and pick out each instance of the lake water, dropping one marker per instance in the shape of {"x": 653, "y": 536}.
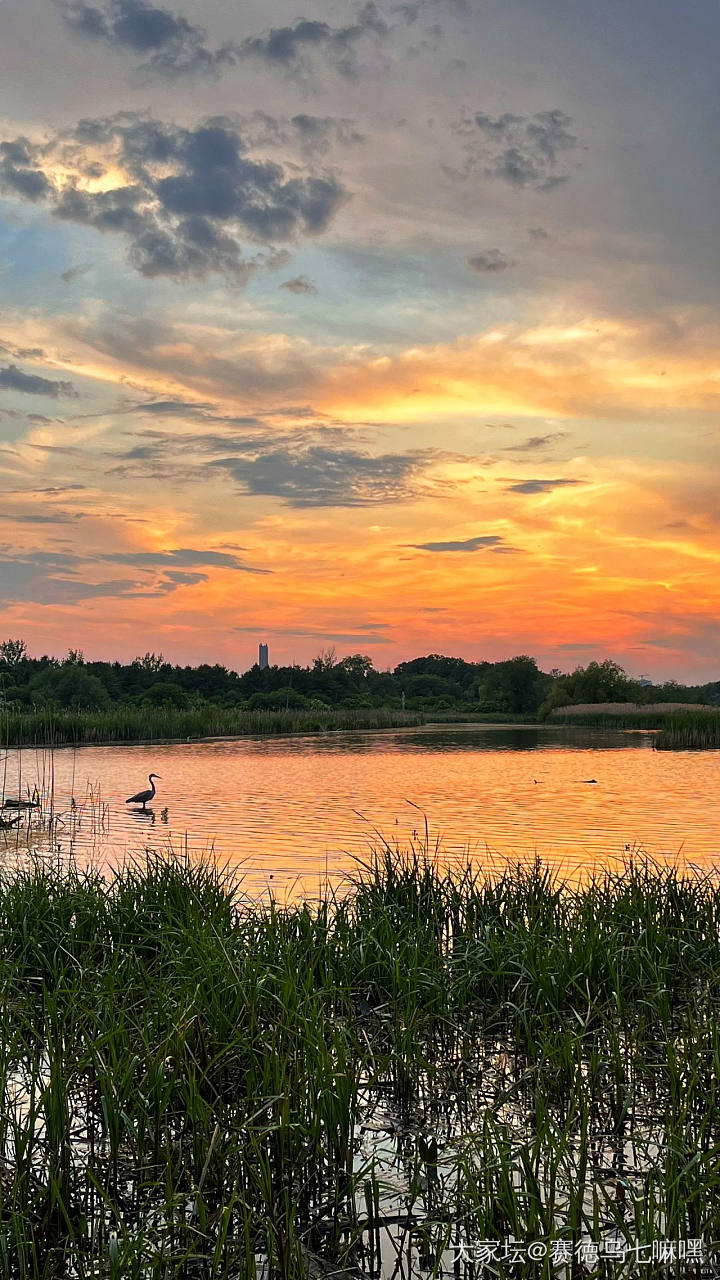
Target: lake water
{"x": 291, "y": 810}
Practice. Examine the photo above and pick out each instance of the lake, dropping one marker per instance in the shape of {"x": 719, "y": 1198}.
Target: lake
{"x": 290, "y": 810}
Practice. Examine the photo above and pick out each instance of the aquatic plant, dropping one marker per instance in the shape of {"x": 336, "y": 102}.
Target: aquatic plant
{"x": 699, "y": 731}
{"x": 152, "y": 724}
{"x": 199, "y": 1084}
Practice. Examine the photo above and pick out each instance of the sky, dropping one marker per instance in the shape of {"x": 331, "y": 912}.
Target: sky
{"x": 388, "y": 327}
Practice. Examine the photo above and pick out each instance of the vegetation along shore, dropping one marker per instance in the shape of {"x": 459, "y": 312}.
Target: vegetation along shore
{"x": 198, "y": 1084}
{"x": 69, "y": 700}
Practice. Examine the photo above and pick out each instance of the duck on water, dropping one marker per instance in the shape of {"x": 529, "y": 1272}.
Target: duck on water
{"x": 142, "y": 797}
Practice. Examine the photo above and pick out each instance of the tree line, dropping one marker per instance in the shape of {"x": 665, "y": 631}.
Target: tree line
{"x": 515, "y": 687}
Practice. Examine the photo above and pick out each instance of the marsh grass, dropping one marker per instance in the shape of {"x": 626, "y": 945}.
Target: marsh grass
{"x": 697, "y": 731}
{"x": 48, "y": 728}
{"x": 196, "y": 1084}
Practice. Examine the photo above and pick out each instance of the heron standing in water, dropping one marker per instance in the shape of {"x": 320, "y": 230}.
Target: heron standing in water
{"x": 142, "y": 797}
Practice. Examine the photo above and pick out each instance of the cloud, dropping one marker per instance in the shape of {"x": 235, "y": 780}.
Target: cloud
{"x": 489, "y": 261}
{"x": 20, "y": 173}
{"x": 52, "y": 517}
{"x": 59, "y": 577}
{"x": 540, "y": 486}
{"x": 317, "y": 133}
{"x": 174, "y": 408}
{"x": 299, "y": 284}
{"x": 178, "y": 578}
{"x": 523, "y": 151}
{"x": 479, "y": 543}
{"x": 170, "y": 45}
{"x": 51, "y": 578}
{"x": 181, "y": 556}
{"x": 13, "y": 379}
{"x": 314, "y": 135}
{"x": 363, "y": 635}
{"x": 536, "y": 443}
{"x": 290, "y": 48}
{"x": 185, "y": 199}
{"x": 316, "y": 475}
{"x": 74, "y": 273}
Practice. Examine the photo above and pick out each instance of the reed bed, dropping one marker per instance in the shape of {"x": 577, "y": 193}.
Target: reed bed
{"x": 624, "y": 709}
{"x": 143, "y": 724}
{"x": 698, "y": 731}
{"x": 613, "y": 720}
{"x": 199, "y": 1085}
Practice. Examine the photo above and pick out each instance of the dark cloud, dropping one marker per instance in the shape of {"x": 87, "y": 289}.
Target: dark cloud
{"x": 74, "y": 273}
{"x": 51, "y": 490}
{"x": 363, "y": 635}
{"x": 51, "y": 578}
{"x": 181, "y": 556}
{"x": 191, "y": 197}
{"x": 299, "y": 284}
{"x": 168, "y": 43}
{"x": 540, "y": 486}
{"x": 489, "y": 261}
{"x": 314, "y": 135}
{"x": 313, "y": 467}
{"x": 287, "y": 48}
{"x": 482, "y": 542}
{"x": 13, "y": 379}
{"x": 20, "y": 173}
{"x": 40, "y": 517}
{"x": 179, "y": 578}
{"x": 57, "y": 577}
{"x": 317, "y": 475}
{"x": 175, "y": 408}
{"x": 523, "y": 151}
{"x": 535, "y": 443}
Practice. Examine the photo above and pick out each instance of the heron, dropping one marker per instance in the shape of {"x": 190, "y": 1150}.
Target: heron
{"x": 142, "y": 797}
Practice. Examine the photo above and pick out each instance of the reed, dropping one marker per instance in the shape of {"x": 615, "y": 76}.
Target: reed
{"x": 151, "y": 724}
{"x": 696, "y": 731}
{"x": 589, "y": 719}
{"x": 198, "y": 1084}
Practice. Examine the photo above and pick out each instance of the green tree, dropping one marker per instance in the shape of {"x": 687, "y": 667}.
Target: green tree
{"x": 357, "y": 665}
{"x": 153, "y": 662}
{"x": 166, "y": 693}
{"x": 70, "y": 686}
{"x": 515, "y": 686}
{"x": 326, "y": 659}
{"x": 598, "y": 682}
{"x": 13, "y": 652}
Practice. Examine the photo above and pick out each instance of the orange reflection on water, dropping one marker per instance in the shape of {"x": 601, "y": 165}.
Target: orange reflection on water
{"x": 289, "y": 813}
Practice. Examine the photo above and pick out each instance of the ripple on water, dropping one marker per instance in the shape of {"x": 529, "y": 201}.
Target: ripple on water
{"x": 302, "y": 807}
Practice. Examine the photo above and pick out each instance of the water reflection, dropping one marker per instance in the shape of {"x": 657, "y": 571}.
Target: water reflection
{"x": 300, "y": 809}
{"x": 142, "y": 815}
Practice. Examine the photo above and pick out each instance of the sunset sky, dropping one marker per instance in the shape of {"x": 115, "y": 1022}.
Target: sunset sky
{"x": 393, "y": 328}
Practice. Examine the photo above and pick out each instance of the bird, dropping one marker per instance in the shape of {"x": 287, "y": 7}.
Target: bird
{"x": 142, "y": 797}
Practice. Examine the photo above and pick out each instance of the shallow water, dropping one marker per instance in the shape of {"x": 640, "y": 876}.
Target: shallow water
{"x": 292, "y": 810}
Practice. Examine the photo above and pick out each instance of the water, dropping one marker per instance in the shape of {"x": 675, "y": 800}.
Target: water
{"x": 292, "y": 810}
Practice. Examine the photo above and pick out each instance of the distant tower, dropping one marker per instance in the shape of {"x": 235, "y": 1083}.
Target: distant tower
{"x": 263, "y": 657}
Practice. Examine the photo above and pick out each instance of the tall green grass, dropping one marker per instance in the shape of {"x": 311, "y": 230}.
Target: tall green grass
{"x": 646, "y": 719}
{"x": 199, "y": 1085}
{"x": 148, "y": 724}
{"x": 692, "y": 731}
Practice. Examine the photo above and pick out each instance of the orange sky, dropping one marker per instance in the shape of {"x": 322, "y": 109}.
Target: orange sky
{"x": 402, "y": 343}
